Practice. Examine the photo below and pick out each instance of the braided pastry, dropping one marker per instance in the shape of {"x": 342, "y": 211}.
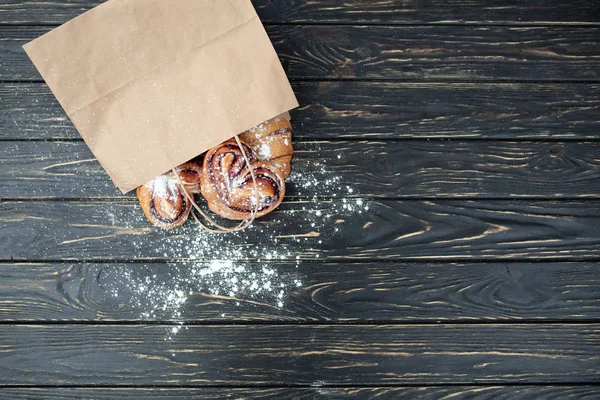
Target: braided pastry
{"x": 272, "y": 142}
{"x": 227, "y": 185}
{"x": 163, "y": 202}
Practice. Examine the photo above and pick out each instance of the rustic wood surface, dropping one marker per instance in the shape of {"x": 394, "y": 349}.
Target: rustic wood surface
{"x": 404, "y": 53}
{"x": 510, "y": 12}
{"x": 319, "y": 393}
{"x": 441, "y": 237}
{"x": 441, "y": 169}
{"x": 330, "y": 292}
{"x": 376, "y": 110}
{"x": 304, "y": 354}
{"x": 388, "y": 230}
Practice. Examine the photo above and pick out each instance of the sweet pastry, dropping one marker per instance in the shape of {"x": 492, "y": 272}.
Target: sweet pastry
{"x": 228, "y": 187}
{"x": 224, "y": 178}
{"x": 189, "y": 174}
{"x": 163, "y": 201}
{"x": 272, "y": 142}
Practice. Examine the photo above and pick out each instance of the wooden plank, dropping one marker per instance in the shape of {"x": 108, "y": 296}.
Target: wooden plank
{"x": 350, "y": 11}
{"x": 315, "y": 393}
{"x": 338, "y": 292}
{"x": 315, "y": 230}
{"x": 414, "y": 169}
{"x": 298, "y": 354}
{"x": 349, "y": 110}
{"x": 398, "y": 53}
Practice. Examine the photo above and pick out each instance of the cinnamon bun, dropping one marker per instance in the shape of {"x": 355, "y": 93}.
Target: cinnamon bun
{"x": 163, "y": 201}
{"x": 228, "y": 187}
{"x": 272, "y": 142}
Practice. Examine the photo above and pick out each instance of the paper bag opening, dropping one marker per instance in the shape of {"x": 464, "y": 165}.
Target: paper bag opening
{"x": 150, "y": 84}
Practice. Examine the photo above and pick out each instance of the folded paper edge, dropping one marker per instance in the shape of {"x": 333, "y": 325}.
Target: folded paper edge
{"x": 282, "y": 115}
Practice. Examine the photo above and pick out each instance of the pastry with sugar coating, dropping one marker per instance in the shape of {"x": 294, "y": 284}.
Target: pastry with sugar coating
{"x": 272, "y": 142}
{"x": 163, "y": 201}
{"x": 229, "y": 189}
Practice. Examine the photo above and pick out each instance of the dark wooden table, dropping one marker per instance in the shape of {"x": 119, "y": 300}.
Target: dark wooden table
{"x": 449, "y": 250}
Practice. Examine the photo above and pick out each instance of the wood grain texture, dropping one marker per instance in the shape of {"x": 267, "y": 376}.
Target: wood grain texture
{"x": 296, "y": 354}
{"x": 314, "y": 393}
{"x": 398, "y": 53}
{"x": 375, "y": 110}
{"x": 414, "y": 169}
{"x": 351, "y": 11}
{"x": 327, "y": 292}
{"x": 386, "y": 287}
{"x": 322, "y": 230}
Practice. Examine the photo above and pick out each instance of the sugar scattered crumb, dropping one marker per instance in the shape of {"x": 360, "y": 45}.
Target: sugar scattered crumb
{"x": 223, "y": 270}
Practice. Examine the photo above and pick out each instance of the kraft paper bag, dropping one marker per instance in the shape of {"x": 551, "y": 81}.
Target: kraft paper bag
{"x": 150, "y": 84}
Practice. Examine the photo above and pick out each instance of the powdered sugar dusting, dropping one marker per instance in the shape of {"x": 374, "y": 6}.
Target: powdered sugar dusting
{"x": 264, "y": 151}
{"x": 218, "y": 281}
{"x": 259, "y": 127}
{"x": 244, "y": 267}
{"x": 319, "y": 182}
{"x": 163, "y": 186}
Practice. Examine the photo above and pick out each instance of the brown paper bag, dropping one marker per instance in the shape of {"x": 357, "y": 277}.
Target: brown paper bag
{"x": 150, "y": 84}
